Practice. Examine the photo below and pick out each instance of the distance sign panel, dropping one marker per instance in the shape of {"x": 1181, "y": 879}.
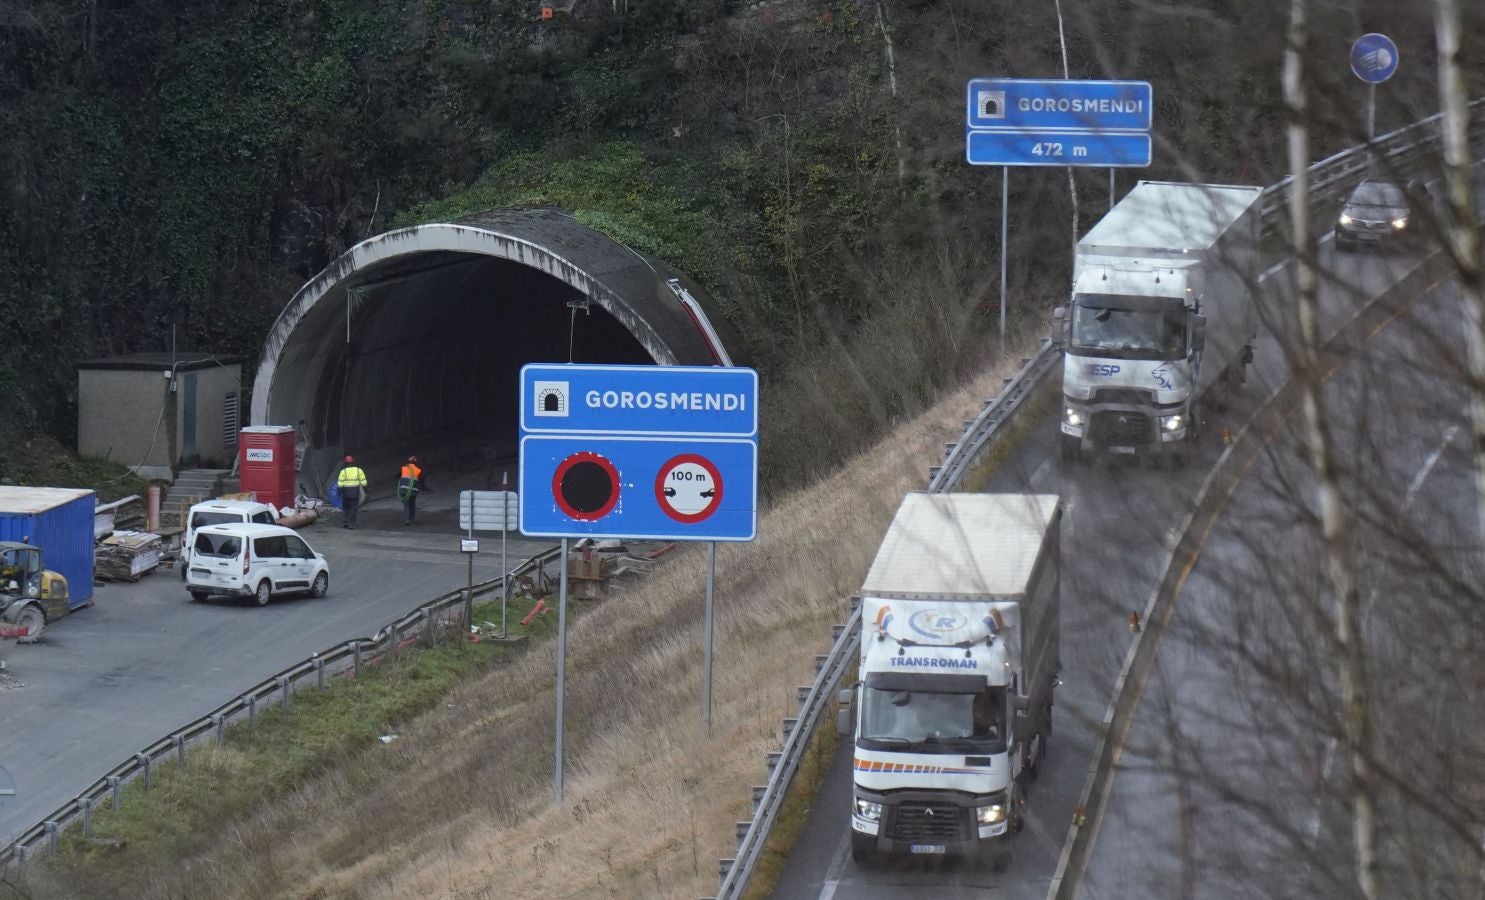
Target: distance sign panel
{"x": 712, "y": 401}
{"x": 1054, "y": 104}
{"x": 677, "y": 489}
{"x": 1057, "y": 148}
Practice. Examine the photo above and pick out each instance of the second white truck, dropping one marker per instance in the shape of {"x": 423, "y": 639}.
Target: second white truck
{"x": 1163, "y": 318}
{"x": 959, "y": 658}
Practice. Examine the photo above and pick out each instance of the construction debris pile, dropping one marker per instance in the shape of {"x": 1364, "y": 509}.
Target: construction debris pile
{"x": 127, "y": 555}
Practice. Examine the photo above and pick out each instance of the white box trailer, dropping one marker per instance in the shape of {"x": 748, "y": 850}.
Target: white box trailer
{"x": 1163, "y": 312}
{"x": 959, "y": 658}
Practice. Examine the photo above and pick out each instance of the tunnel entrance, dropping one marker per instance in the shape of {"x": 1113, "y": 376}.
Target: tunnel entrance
{"x": 413, "y": 341}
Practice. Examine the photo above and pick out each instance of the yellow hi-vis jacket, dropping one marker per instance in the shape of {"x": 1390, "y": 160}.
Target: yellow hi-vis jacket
{"x": 351, "y": 477}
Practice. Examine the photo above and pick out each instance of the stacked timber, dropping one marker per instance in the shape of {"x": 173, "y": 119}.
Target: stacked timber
{"x": 127, "y": 555}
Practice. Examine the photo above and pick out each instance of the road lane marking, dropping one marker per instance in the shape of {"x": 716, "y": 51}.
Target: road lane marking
{"x": 837, "y": 866}
{"x": 1041, "y": 472}
{"x": 1330, "y": 745}
{"x": 1428, "y": 465}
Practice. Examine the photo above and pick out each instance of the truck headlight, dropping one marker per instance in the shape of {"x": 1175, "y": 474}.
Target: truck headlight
{"x": 1071, "y": 416}
{"x": 1400, "y": 223}
{"x": 1345, "y": 219}
{"x": 1172, "y": 423}
{"x": 993, "y": 814}
{"x": 868, "y": 810}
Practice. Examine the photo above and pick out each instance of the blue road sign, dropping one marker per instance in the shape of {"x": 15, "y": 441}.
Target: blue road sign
{"x": 678, "y": 489}
{"x": 1059, "y": 104}
{"x": 1057, "y": 148}
{"x": 1374, "y": 58}
{"x": 711, "y": 401}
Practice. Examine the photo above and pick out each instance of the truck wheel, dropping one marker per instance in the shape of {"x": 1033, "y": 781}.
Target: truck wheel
{"x": 199, "y": 596}
{"x": 32, "y": 618}
{"x": 1070, "y": 448}
{"x": 863, "y": 848}
{"x": 264, "y": 593}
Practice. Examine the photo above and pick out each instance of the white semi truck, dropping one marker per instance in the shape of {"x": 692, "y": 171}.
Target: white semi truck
{"x": 959, "y": 657}
{"x": 1162, "y": 320}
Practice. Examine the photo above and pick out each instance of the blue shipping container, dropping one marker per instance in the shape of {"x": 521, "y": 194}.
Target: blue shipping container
{"x": 60, "y": 522}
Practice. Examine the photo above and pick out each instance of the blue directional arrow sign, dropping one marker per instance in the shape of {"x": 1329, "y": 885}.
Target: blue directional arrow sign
{"x": 680, "y": 489}
{"x": 1057, "y": 148}
{"x": 661, "y": 400}
{"x": 1374, "y": 58}
{"x": 1025, "y": 103}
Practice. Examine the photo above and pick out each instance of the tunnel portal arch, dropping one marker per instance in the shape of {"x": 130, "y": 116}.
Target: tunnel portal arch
{"x": 412, "y": 340}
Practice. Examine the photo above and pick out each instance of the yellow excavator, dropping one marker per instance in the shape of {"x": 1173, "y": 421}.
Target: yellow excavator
{"x": 30, "y": 594}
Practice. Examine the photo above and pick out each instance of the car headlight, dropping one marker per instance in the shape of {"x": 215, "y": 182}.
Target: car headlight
{"x": 1071, "y": 416}
{"x": 1172, "y": 423}
{"x": 1345, "y": 219}
{"x": 993, "y": 814}
{"x": 1400, "y": 223}
{"x": 868, "y": 810}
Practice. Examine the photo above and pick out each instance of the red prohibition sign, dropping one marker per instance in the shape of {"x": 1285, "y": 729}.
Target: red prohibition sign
{"x": 586, "y": 486}
{"x": 689, "y": 488}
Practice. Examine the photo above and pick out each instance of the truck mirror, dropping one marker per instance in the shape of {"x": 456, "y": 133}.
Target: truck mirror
{"x": 845, "y": 696}
{"x": 843, "y": 721}
{"x": 1059, "y": 326}
{"x": 1198, "y": 333}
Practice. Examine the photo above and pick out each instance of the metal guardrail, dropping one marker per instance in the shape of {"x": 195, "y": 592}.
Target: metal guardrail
{"x": 1398, "y": 151}
{"x": 344, "y": 658}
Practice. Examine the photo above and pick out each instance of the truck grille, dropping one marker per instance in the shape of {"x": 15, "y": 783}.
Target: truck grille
{"x": 1131, "y": 396}
{"x": 935, "y": 822}
{"x": 1123, "y": 428}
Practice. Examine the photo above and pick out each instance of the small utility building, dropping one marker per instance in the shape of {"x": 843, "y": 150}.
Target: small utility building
{"x": 159, "y": 412}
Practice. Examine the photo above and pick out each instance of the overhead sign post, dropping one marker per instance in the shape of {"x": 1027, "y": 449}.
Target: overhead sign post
{"x": 1054, "y": 122}
{"x": 1374, "y": 60}
{"x": 651, "y": 452}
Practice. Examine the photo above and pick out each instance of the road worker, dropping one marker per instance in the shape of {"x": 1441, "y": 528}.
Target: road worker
{"x": 352, "y": 484}
{"x": 408, "y": 485}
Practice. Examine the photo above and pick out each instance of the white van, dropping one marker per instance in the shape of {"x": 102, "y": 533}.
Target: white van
{"x": 255, "y": 561}
{"x": 220, "y": 512}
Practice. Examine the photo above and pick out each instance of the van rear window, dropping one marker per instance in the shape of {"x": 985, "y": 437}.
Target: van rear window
{"x": 214, "y": 518}
{"x": 222, "y": 545}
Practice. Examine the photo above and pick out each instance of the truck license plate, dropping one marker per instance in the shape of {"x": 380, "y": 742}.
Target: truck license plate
{"x": 1121, "y": 449}
{"x": 927, "y": 848}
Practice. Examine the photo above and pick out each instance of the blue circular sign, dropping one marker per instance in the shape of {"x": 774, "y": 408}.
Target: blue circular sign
{"x": 1374, "y": 58}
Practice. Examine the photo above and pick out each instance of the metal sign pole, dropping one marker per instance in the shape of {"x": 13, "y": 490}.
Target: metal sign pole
{"x": 469, "y": 557}
{"x": 1371, "y": 110}
{"x": 561, "y": 659}
{"x": 1111, "y": 187}
{"x": 706, "y": 676}
{"x": 504, "y": 569}
{"x": 1005, "y": 192}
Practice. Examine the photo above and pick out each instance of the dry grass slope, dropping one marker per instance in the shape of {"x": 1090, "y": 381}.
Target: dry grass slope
{"x": 461, "y": 807}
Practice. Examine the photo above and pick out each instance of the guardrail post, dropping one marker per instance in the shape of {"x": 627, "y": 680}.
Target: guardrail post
{"x": 820, "y": 662}
{"x": 933, "y": 472}
{"x": 286, "y": 685}
{"x": 356, "y": 656}
{"x": 724, "y": 866}
{"x": 179, "y": 740}
{"x": 949, "y": 448}
{"x": 252, "y": 702}
{"x": 51, "y": 837}
{"x": 20, "y": 858}
{"x": 319, "y": 672}
{"x": 758, "y": 791}
{"x": 742, "y": 831}
{"x": 789, "y": 727}
{"x": 803, "y": 692}
{"x": 218, "y": 724}
{"x": 87, "y": 810}
{"x": 427, "y": 625}
{"x": 772, "y": 757}
{"x": 116, "y": 791}
{"x": 144, "y": 763}
{"x": 835, "y": 632}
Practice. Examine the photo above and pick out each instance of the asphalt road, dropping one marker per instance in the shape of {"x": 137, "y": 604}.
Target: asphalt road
{"x": 110, "y": 679}
{"x": 1118, "y": 529}
{"x": 1234, "y": 780}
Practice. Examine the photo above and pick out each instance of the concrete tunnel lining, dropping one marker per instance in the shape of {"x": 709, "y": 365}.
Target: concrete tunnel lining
{"x": 411, "y": 340}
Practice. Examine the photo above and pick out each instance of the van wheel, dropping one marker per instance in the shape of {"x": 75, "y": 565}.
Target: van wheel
{"x": 321, "y": 587}
{"x": 199, "y": 596}
{"x": 32, "y": 618}
{"x": 265, "y": 592}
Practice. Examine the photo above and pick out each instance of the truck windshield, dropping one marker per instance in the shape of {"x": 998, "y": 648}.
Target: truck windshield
{"x": 933, "y": 722}
{"x": 1128, "y": 327}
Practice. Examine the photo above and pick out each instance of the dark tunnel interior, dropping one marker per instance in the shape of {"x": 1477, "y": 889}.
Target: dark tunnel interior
{"x": 422, "y": 354}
